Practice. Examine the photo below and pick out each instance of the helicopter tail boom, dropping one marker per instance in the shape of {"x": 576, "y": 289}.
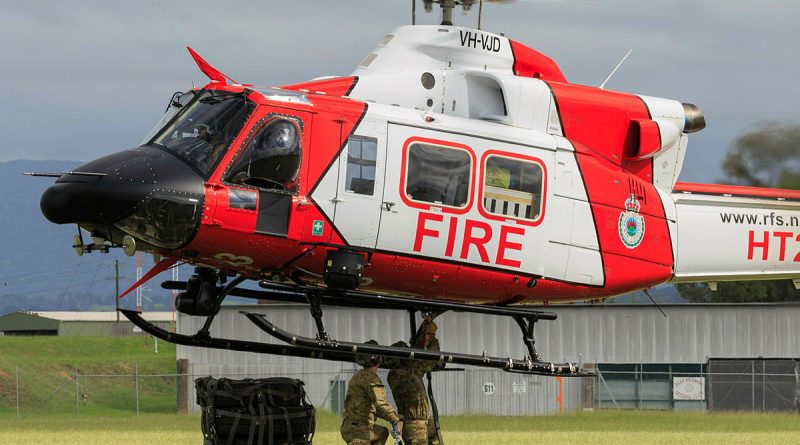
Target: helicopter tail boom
{"x": 750, "y": 233}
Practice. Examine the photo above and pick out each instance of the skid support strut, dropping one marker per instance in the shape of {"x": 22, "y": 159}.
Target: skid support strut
{"x": 526, "y": 325}
{"x": 204, "y": 331}
{"x": 315, "y": 303}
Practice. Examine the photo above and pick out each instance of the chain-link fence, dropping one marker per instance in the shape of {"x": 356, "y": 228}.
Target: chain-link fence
{"x": 68, "y": 389}
{"x": 720, "y": 384}
{"x": 749, "y": 385}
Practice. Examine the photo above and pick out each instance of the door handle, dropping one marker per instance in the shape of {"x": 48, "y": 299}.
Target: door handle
{"x": 388, "y": 205}
{"x": 337, "y": 200}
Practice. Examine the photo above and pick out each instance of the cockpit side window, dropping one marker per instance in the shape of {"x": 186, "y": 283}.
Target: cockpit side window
{"x": 271, "y": 159}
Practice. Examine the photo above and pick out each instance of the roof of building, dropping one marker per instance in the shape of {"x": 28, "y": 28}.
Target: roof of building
{"x": 96, "y": 316}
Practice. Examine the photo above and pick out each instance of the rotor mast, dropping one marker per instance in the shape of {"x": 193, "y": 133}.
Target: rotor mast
{"x": 447, "y": 8}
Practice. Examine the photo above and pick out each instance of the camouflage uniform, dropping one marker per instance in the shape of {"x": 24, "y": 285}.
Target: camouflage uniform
{"x": 365, "y": 400}
{"x": 410, "y": 394}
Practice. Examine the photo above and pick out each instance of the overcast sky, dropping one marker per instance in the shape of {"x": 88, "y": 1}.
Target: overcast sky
{"x": 82, "y": 79}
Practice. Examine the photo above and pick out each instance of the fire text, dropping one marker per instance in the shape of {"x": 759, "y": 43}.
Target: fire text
{"x": 476, "y": 236}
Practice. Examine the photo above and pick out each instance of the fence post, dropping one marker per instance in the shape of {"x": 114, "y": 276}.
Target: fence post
{"x": 797, "y": 385}
{"x": 183, "y": 386}
{"x": 17, "y": 390}
{"x": 136, "y": 377}
{"x": 77, "y": 391}
{"x": 763, "y": 385}
{"x": 753, "y": 384}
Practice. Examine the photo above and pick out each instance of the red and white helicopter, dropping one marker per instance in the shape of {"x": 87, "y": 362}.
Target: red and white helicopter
{"x": 455, "y": 169}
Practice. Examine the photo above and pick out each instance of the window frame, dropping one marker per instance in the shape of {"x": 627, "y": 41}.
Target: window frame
{"x": 425, "y": 205}
{"x": 362, "y": 139}
{"x": 482, "y": 185}
{"x": 255, "y": 130}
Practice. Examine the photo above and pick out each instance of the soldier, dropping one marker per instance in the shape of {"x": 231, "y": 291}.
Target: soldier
{"x": 409, "y": 390}
{"x": 365, "y": 400}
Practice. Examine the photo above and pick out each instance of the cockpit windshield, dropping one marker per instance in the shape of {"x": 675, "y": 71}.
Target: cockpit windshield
{"x": 204, "y": 127}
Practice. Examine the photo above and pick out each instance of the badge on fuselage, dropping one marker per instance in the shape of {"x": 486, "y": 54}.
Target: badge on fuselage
{"x": 631, "y": 224}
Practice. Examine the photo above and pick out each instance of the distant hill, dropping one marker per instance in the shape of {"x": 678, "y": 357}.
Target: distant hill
{"x": 38, "y": 268}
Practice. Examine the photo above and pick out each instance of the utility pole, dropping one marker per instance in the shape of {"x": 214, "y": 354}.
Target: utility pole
{"x": 116, "y": 287}
{"x": 138, "y": 277}
{"x": 175, "y": 277}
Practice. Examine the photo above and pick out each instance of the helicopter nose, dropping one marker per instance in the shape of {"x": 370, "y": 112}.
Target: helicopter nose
{"x": 102, "y": 191}
{"x": 131, "y": 190}
{"x": 78, "y": 202}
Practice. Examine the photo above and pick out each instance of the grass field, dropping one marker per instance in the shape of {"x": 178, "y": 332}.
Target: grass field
{"x": 107, "y": 415}
{"x": 595, "y": 428}
{"x": 47, "y": 363}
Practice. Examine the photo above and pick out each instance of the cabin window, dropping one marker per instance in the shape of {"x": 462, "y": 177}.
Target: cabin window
{"x": 361, "y": 159}
{"x": 512, "y": 188}
{"x": 271, "y": 160}
{"x": 438, "y": 175}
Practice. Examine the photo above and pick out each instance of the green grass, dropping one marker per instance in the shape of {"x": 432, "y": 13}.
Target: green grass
{"x": 595, "y": 428}
{"x": 47, "y": 363}
{"x": 108, "y": 414}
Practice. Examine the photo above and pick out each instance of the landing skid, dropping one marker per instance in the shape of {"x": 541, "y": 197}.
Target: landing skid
{"x": 206, "y": 341}
{"x": 326, "y": 348}
{"x": 526, "y": 365}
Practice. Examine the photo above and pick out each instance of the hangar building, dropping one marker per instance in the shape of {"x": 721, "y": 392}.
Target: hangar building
{"x": 701, "y": 356}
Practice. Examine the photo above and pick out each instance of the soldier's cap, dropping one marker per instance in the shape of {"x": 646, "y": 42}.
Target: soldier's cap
{"x": 395, "y": 362}
{"x": 368, "y": 360}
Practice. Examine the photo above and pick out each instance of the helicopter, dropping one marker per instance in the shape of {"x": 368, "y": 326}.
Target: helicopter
{"x": 454, "y": 170}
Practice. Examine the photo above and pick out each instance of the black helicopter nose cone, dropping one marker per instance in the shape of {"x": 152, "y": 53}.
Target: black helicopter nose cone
{"x": 68, "y": 202}
{"x": 131, "y": 189}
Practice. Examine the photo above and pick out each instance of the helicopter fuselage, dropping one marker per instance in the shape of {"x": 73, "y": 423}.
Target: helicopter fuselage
{"x": 459, "y": 164}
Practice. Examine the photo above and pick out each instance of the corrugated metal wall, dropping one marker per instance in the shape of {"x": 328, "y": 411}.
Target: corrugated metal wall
{"x": 590, "y": 334}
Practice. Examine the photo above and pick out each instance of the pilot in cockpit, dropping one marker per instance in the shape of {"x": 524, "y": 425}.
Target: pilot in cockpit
{"x": 203, "y": 132}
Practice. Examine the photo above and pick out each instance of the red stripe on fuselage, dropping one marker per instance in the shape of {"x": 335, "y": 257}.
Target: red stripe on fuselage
{"x": 736, "y": 190}
{"x": 335, "y": 123}
{"x": 601, "y": 121}
{"x": 337, "y": 86}
{"x": 531, "y": 63}
{"x": 597, "y": 122}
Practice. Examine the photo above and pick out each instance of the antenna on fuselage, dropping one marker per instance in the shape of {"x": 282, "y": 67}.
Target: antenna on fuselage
{"x": 603, "y": 85}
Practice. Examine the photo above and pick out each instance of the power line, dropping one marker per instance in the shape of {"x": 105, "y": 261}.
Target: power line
{"x": 66, "y": 267}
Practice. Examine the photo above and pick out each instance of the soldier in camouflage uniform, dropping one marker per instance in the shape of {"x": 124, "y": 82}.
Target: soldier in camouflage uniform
{"x": 366, "y": 400}
{"x": 409, "y": 389}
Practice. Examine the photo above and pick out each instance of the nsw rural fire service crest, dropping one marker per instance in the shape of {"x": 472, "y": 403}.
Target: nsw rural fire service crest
{"x": 631, "y": 224}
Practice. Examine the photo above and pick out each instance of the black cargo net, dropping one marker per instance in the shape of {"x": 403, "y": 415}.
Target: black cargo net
{"x": 268, "y": 411}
